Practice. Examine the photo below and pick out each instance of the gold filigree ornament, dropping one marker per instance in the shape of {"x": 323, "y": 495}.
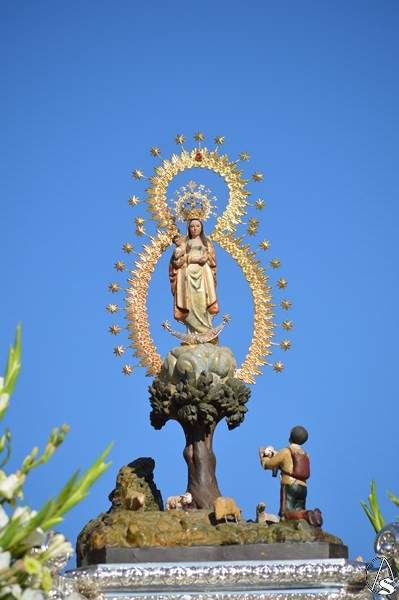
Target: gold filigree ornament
{"x": 193, "y": 202}
{"x": 223, "y": 234}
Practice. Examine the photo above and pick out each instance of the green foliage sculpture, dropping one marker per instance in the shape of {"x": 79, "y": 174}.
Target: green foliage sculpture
{"x": 26, "y": 549}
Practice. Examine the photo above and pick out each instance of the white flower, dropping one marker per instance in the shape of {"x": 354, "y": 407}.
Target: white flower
{"x": 3, "y": 517}
{"x": 24, "y": 513}
{"x": 31, "y": 594}
{"x": 10, "y": 485}
{"x": 58, "y": 546}
{"x": 12, "y": 590}
{"x": 21, "y": 512}
{"x": 5, "y": 558}
{"x": 35, "y": 538}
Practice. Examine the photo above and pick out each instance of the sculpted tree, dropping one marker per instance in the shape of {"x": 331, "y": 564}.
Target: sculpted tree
{"x": 198, "y": 405}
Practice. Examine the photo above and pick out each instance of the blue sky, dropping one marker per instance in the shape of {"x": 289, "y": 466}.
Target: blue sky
{"x": 310, "y": 90}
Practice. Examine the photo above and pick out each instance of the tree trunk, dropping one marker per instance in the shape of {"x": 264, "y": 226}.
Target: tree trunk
{"x": 201, "y": 463}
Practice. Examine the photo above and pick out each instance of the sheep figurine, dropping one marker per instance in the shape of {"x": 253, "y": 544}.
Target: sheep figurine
{"x": 132, "y": 500}
{"x": 179, "y": 502}
{"x": 267, "y": 452}
{"x": 135, "y": 501}
{"x": 226, "y": 507}
{"x": 264, "y": 517}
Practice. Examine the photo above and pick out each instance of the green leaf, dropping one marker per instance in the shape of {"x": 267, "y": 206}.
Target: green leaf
{"x": 73, "y": 492}
{"x": 56, "y": 438}
{"x": 14, "y": 536}
{"x": 67, "y": 489}
{"x": 13, "y": 366}
{"x": 14, "y": 542}
{"x": 6, "y": 445}
{"x": 8, "y": 533}
{"x": 372, "y": 509}
{"x": 86, "y": 481}
{"x": 393, "y": 498}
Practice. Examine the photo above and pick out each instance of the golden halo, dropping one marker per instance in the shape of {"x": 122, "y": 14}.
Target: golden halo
{"x": 136, "y": 303}
{"x": 136, "y": 298}
{"x": 210, "y": 159}
{"x": 263, "y": 314}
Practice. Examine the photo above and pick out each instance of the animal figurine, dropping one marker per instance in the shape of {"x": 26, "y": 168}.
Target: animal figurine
{"x": 268, "y": 451}
{"x": 226, "y": 507}
{"x": 264, "y": 517}
{"x": 135, "y": 500}
{"x": 179, "y": 502}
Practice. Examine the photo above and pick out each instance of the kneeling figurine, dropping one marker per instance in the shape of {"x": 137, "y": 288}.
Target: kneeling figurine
{"x": 294, "y": 466}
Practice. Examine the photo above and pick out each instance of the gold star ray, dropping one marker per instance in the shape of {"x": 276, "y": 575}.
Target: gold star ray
{"x": 264, "y": 245}
{"x": 114, "y": 287}
{"x": 275, "y": 263}
{"x": 257, "y": 176}
{"x": 119, "y": 266}
{"x": 127, "y": 247}
{"x": 133, "y": 201}
{"x": 286, "y": 304}
{"x": 112, "y": 308}
{"x": 119, "y": 350}
{"x": 114, "y": 329}
{"x": 259, "y": 204}
{"x": 282, "y": 283}
{"x": 253, "y": 225}
{"x": 285, "y": 345}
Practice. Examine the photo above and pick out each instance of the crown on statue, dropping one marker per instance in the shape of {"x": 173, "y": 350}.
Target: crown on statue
{"x": 193, "y": 202}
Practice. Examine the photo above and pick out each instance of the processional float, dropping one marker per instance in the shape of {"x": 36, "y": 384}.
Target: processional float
{"x": 198, "y": 545}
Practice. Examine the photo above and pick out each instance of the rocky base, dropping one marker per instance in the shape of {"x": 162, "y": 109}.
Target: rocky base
{"x": 111, "y": 533}
{"x": 134, "y": 479}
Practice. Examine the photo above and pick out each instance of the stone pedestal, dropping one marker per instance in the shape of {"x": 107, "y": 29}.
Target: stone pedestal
{"x": 320, "y": 579}
{"x": 115, "y": 555}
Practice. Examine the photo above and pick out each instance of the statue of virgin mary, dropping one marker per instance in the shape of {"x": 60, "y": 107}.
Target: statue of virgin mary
{"x": 192, "y": 272}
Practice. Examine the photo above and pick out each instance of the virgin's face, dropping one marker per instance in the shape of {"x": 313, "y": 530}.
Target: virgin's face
{"x": 195, "y": 228}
